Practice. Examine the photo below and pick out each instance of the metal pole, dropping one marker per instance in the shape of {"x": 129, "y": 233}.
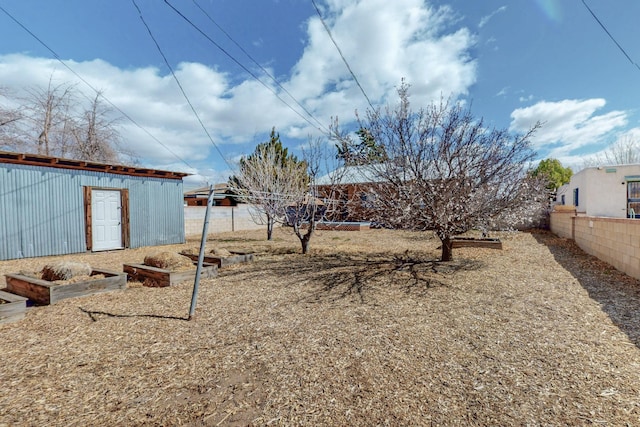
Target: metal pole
{"x": 203, "y": 241}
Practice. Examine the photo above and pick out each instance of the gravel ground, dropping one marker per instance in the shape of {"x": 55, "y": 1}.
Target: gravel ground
{"x": 369, "y": 329}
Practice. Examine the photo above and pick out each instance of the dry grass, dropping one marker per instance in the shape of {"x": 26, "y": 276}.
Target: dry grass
{"x": 167, "y": 260}
{"x": 367, "y": 330}
{"x": 65, "y": 270}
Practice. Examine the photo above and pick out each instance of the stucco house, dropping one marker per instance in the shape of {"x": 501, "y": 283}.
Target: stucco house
{"x": 606, "y": 191}
{"x": 56, "y": 206}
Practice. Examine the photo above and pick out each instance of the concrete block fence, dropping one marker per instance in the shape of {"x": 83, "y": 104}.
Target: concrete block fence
{"x": 221, "y": 219}
{"x": 615, "y": 241}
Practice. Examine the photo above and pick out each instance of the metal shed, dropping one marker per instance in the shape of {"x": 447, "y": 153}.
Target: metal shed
{"x": 55, "y": 206}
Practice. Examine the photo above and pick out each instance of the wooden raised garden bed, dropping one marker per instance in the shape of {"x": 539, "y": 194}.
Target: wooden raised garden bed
{"x": 472, "y": 242}
{"x": 12, "y": 307}
{"x": 223, "y": 261}
{"x": 44, "y": 292}
{"x": 159, "y": 277}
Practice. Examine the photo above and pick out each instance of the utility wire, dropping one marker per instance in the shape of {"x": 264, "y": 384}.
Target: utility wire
{"x": 609, "y": 34}
{"x": 241, "y": 65}
{"x": 258, "y": 64}
{"x": 175, "y": 77}
{"x": 326, "y": 27}
{"x": 57, "y": 57}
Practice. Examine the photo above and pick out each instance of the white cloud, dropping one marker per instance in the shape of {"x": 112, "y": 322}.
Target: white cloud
{"x": 485, "y": 19}
{"x": 491, "y": 41}
{"x": 569, "y": 127}
{"x": 503, "y": 92}
{"x": 382, "y": 41}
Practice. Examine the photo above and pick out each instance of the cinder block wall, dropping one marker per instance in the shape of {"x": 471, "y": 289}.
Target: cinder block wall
{"x": 561, "y": 224}
{"x": 615, "y": 241}
{"x": 221, "y": 219}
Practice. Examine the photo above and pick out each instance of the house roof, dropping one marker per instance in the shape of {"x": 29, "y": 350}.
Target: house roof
{"x": 220, "y": 191}
{"x": 605, "y": 166}
{"x": 62, "y": 163}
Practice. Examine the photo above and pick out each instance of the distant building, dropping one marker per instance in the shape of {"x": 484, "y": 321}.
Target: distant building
{"x": 606, "y": 191}
{"x": 350, "y": 185}
{"x": 222, "y": 196}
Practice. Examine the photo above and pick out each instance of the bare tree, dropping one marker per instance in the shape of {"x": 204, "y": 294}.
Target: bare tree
{"x": 94, "y": 135}
{"x": 270, "y": 180}
{"x": 623, "y": 152}
{"x": 47, "y": 114}
{"x": 317, "y": 202}
{"x": 283, "y": 189}
{"x": 53, "y": 122}
{"x": 446, "y": 172}
{"x": 9, "y": 118}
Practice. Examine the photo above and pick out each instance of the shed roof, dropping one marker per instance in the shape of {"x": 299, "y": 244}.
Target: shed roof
{"x": 61, "y": 163}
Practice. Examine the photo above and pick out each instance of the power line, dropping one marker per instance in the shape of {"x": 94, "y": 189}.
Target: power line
{"x": 609, "y": 34}
{"x": 241, "y": 65}
{"x": 57, "y": 57}
{"x": 179, "y": 84}
{"x": 326, "y": 27}
{"x": 258, "y": 64}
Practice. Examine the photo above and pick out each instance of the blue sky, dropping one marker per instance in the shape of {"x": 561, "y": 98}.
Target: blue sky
{"x": 515, "y": 62}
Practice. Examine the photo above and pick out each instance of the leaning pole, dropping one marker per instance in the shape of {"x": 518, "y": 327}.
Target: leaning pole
{"x": 203, "y": 241}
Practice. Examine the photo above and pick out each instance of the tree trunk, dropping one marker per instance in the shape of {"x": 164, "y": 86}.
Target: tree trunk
{"x": 306, "y": 238}
{"x": 269, "y": 226}
{"x": 447, "y": 248}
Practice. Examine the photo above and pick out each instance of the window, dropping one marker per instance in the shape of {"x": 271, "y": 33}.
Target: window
{"x": 575, "y": 197}
{"x": 633, "y": 199}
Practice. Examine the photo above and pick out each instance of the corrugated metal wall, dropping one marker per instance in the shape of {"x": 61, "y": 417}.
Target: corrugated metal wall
{"x": 42, "y": 211}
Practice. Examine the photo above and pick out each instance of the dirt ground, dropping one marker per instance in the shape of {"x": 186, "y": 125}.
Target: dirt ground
{"x": 369, "y": 329}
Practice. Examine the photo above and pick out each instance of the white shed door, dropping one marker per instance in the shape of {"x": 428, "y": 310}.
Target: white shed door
{"x": 106, "y": 220}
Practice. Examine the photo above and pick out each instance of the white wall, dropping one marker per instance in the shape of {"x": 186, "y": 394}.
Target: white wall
{"x": 578, "y": 181}
{"x": 221, "y": 219}
{"x": 602, "y": 190}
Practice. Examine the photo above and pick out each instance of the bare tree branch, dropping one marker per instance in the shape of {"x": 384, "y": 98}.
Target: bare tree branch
{"x": 47, "y": 112}
{"x": 624, "y": 152}
{"x": 270, "y": 180}
{"x": 94, "y": 135}
{"x": 9, "y": 118}
{"x": 52, "y": 121}
{"x": 446, "y": 172}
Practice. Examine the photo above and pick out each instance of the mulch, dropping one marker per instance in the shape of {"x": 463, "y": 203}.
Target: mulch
{"x": 368, "y": 329}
